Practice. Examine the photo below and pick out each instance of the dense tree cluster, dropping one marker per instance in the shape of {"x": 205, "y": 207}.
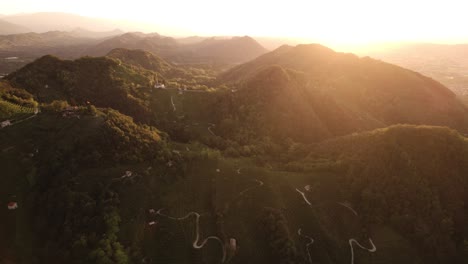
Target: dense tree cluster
{"x": 275, "y": 229}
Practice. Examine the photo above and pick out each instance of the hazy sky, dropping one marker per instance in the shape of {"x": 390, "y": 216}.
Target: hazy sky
{"x": 328, "y": 21}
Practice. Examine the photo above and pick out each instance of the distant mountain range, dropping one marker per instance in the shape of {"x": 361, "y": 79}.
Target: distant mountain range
{"x": 7, "y": 28}
{"x": 81, "y": 42}
{"x": 194, "y": 50}
{"x": 53, "y": 21}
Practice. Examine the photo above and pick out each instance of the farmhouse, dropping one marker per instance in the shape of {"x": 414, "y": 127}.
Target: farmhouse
{"x": 12, "y": 205}
{"x": 5, "y": 123}
{"x": 233, "y": 243}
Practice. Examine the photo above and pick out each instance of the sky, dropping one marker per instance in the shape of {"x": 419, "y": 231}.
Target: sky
{"x": 335, "y": 22}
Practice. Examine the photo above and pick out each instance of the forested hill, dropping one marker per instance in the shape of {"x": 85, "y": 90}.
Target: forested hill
{"x": 213, "y": 50}
{"x": 102, "y": 81}
{"x": 141, "y": 58}
{"x": 344, "y": 92}
{"x": 413, "y": 178}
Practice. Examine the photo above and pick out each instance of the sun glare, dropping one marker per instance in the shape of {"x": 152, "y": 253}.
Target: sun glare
{"x": 335, "y": 23}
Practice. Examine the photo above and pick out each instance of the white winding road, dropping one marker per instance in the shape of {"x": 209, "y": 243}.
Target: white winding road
{"x": 351, "y": 241}
{"x": 173, "y": 105}
{"x": 260, "y": 184}
{"x": 311, "y": 241}
{"x": 228, "y": 204}
{"x": 349, "y": 207}
{"x": 211, "y": 131}
{"x": 195, "y": 243}
{"x": 22, "y": 120}
{"x": 304, "y": 197}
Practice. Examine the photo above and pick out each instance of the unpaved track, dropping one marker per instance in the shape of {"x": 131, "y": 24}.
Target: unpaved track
{"x": 349, "y": 207}
{"x": 352, "y": 240}
{"x": 311, "y": 241}
{"x": 195, "y": 243}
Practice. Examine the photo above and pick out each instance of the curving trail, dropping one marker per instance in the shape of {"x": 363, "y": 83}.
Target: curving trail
{"x": 304, "y": 197}
{"x": 260, "y": 184}
{"x": 228, "y": 204}
{"x": 311, "y": 241}
{"x": 239, "y": 171}
{"x": 211, "y": 131}
{"x": 195, "y": 243}
{"x": 24, "y": 119}
{"x": 173, "y": 105}
{"x": 351, "y": 241}
{"x": 349, "y": 207}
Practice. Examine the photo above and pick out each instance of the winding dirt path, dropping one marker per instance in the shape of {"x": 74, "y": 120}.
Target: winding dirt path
{"x": 227, "y": 205}
{"x": 22, "y": 120}
{"x": 211, "y": 131}
{"x": 350, "y": 208}
{"x": 304, "y": 197}
{"x": 260, "y": 184}
{"x": 195, "y": 243}
{"x": 352, "y": 240}
{"x": 311, "y": 241}
{"x": 173, "y": 105}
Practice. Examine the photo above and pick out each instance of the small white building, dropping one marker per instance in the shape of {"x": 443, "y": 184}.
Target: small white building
{"x": 5, "y": 123}
{"x": 159, "y": 86}
{"x": 152, "y": 223}
{"x": 232, "y": 244}
{"x": 12, "y": 205}
{"x": 127, "y": 174}
{"x": 169, "y": 164}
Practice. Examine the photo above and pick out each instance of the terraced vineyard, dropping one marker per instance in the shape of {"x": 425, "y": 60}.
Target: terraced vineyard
{"x": 10, "y": 110}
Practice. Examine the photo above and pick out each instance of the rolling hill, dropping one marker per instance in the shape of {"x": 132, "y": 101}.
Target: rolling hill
{"x": 232, "y": 50}
{"x": 134, "y": 40}
{"x": 66, "y": 142}
{"x": 341, "y": 92}
{"x": 142, "y": 59}
{"x": 7, "y": 28}
{"x": 38, "y": 44}
{"x": 229, "y": 51}
{"x": 103, "y": 82}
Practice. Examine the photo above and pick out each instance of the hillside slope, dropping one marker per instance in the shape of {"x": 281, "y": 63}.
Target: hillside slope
{"x": 103, "y": 82}
{"x": 412, "y": 178}
{"x": 367, "y": 93}
{"x": 141, "y": 58}
{"x": 54, "y": 168}
{"x": 226, "y": 51}
{"x": 7, "y": 28}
